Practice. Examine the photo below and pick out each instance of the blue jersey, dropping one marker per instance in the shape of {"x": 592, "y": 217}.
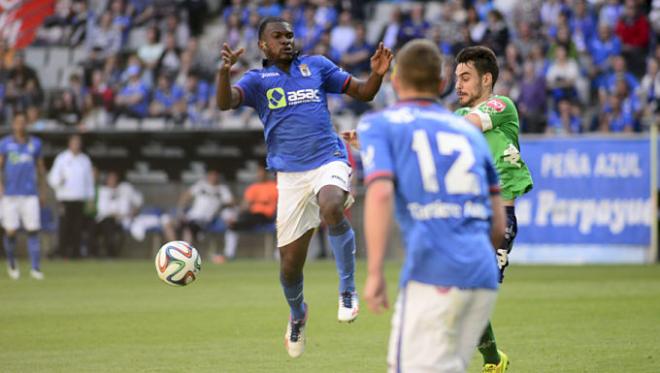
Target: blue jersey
{"x": 20, "y": 168}
{"x": 444, "y": 176}
{"x": 294, "y": 110}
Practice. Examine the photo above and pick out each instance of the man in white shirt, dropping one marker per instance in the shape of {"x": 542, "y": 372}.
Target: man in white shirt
{"x": 72, "y": 179}
{"x": 117, "y": 204}
{"x": 207, "y": 198}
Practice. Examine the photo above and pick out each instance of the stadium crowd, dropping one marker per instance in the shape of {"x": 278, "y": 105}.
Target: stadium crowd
{"x": 572, "y": 66}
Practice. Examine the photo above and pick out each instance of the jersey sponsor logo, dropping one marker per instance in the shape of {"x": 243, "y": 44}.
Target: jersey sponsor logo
{"x": 496, "y": 104}
{"x": 278, "y": 99}
{"x": 304, "y": 70}
{"x": 270, "y": 75}
{"x": 512, "y": 155}
{"x": 16, "y": 158}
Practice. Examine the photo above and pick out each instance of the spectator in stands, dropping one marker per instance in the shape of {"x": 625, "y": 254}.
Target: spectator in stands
{"x": 307, "y": 32}
{"x": 482, "y": 8}
{"x": 269, "y": 8}
{"x": 610, "y": 12}
{"x": 168, "y": 100}
{"x": 583, "y": 25}
{"x": 259, "y": 203}
{"x": 236, "y": 7}
{"x": 65, "y": 110}
{"x": 613, "y": 118}
{"x": 476, "y": 25}
{"x": 532, "y": 100}
{"x": 562, "y": 76}
{"x": 72, "y": 179}
{"x": 602, "y": 48}
{"x": 196, "y": 95}
{"x": 197, "y": 11}
{"x": 121, "y": 20}
{"x": 32, "y": 95}
{"x": 234, "y": 30}
{"x": 564, "y": 39}
{"x": 356, "y": 58}
{"x": 343, "y": 35}
{"x": 324, "y": 48}
{"x": 497, "y": 33}
{"x": 549, "y": 13}
{"x": 208, "y": 198}
{"x": 390, "y": 33}
{"x": 619, "y": 71}
{"x": 101, "y": 94}
{"x": 78, "y": 91}
{"x": 141, "y": 11}
{"x": 132, "y": 99}
{"x": 104, "y": 37}
{"x": 118, "y": 202}
{"x": 22, "y": 74}
{"x": 565, "y": 119}
{"x": 415, "y": 27}
{"x": 150, "y": 52}
{"x": 525, "y": 38}
{"x": 634, "y": 30}
{"x": 180, "y": 30}
{"x": 326, "y": 14}
{"x": 170, "y": 60}
{"x": 513, "y": 60}
{"x": 649, "y": 90}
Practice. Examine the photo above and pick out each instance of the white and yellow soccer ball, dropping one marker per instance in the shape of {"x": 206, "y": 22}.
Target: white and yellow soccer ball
{"x": 178, "y": 263}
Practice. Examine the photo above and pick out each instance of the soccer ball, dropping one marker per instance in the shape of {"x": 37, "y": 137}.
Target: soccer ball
{"x": 178, "y": 263}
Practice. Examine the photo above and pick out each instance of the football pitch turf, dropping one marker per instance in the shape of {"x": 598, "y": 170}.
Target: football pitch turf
{"x": 118, "y": 317}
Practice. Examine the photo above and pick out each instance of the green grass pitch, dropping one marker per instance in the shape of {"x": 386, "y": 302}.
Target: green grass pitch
{"x": 118, "y": 317}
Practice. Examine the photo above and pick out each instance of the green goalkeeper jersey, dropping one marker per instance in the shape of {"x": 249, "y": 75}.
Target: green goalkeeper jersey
{"x": 499, "y": 120}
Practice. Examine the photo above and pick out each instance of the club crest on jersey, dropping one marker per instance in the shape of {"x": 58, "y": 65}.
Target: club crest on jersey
{"x": 496, "y": 104}
{"x": 304, "y": 70}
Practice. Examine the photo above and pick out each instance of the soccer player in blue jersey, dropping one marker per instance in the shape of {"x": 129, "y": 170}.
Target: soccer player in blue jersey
{"x": 313, "y": 175}
{"x": 21, "y": 186}
{"x": 438, "y": 171}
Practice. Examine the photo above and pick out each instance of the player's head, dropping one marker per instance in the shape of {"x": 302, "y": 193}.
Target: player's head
{"x": 19, "y": 123}
{"x": 476, "y": 74}
{"x": 213, "y": 176}
{"x": 418, "y": 69}
{"x": 276, "y": 39}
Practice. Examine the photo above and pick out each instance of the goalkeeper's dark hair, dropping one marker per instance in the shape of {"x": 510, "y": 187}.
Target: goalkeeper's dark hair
{"x": 483, "y": 60}
{"x": 264, "y": 22}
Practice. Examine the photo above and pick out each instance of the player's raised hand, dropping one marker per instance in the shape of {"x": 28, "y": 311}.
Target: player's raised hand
{"x": 380, "y": 61}
{"x": 351, "y": 138}
{"x": 375, "y": 293}
{"x": 229, "y": 56}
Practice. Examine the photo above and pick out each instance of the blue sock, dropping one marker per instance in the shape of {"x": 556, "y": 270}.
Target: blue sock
{"x": 10, "y": 250}
{"x": 33, "y": 246}
{"x": 294, "y": 296}
{"x": 342, "y": 240}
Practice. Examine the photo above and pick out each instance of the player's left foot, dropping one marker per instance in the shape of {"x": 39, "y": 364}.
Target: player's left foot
{"x": 13, "y": 273}
{"x": 499, "y": 368}
{"x": 294, "y": 339}
{"x": 349, "y": 307}
{"x": 36, "y": 274}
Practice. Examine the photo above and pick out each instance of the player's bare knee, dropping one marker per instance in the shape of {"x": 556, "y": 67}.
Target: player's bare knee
{"x": 333, "y": 213}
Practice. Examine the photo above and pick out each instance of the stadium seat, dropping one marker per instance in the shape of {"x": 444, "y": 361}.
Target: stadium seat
{"x": 78, "y": 55}
{"x": 35, "y": 57}
{"x": 58, "y": 57}
{"x": 49, "y": 78}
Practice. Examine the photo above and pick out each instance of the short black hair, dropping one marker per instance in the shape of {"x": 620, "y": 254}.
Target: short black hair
{"x": 264, "y": 22}
{"x": 483, "y": 58}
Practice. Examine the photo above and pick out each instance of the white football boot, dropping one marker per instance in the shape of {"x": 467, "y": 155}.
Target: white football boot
{"x": 349, "y": 307}
{"x": 13, "y": 273}
{"x": 36, "y": 274}
{"x": 294, "y": 339}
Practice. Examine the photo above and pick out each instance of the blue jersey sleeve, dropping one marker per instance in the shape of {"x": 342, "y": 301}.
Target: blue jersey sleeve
{"x": 37, "y": 147}
{"x": 335, "y": 80}
{"x": 375, "y": 151}
{"x": 3, "y": 146}
{"x": 248, "y": 86}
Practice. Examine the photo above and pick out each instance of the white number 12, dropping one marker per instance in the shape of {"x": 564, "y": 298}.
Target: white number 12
{"x": 459, "y": 179}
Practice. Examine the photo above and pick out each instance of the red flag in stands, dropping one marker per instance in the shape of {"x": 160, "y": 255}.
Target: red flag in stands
{"x": 20, "y": 19}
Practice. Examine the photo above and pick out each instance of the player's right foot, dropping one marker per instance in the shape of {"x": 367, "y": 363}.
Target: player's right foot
{"x": 36, "y": 274}
{"x": 499, "y": 368}
{"x": 294, "y": 339}
{"x": 349, "y": 307}
{"x": 13, "y": 273}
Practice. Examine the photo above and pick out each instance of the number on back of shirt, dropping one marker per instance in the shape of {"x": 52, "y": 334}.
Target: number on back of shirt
{"x": 458, "y": 179}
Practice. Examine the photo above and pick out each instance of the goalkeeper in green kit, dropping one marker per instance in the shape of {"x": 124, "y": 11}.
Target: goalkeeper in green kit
{"x": 497, "y": 117}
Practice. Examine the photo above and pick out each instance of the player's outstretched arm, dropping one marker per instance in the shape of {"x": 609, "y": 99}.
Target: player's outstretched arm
{"x": 227, "y": 97}
{"x": 377, "y": 218}
{"x": 365, "y": 90}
